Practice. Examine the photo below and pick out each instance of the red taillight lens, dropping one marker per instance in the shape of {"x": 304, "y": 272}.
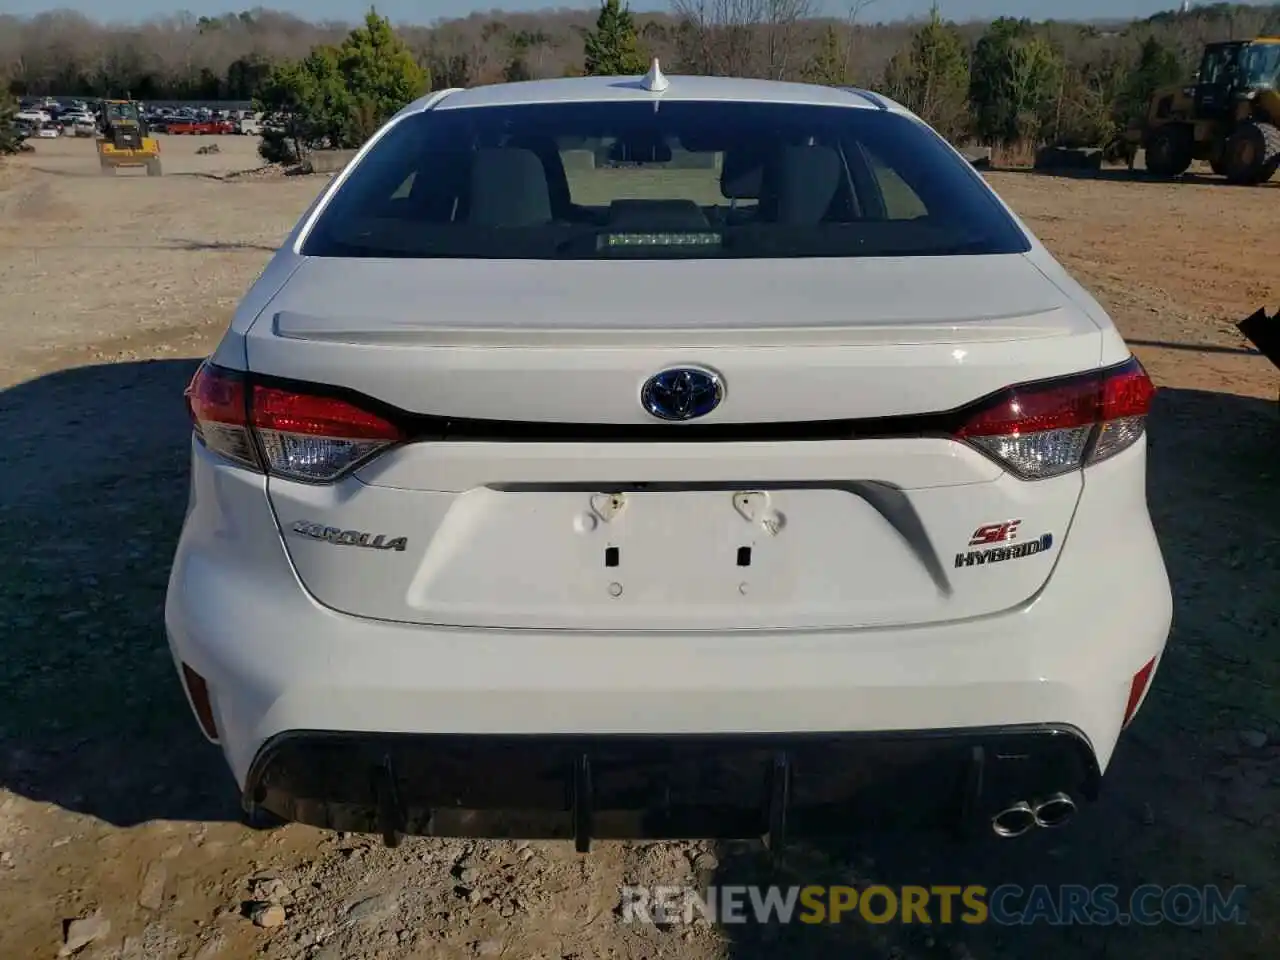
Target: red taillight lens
{"x": 1042, "y": 430}
{"x": 315, "y": 438}
{"x": 1126, "y": 398}
{"x": 300, "y": 436}
{"x": 218, "y": 405}
{"x": 287, "y": 412}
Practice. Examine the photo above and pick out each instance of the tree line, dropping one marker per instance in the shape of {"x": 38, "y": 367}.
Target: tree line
{"x": 1003, "y": 82}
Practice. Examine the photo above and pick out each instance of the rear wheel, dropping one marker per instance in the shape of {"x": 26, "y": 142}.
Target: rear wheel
{"x": 1169, "y": 151}
{"x": 1252, "y": 153}
{"x": 153, "y": 168}
{"x": 258, "y": 818}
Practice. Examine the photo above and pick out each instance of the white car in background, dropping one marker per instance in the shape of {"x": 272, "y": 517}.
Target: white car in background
{"x": 671, "y": 457}
{"x": 79, "y": 124}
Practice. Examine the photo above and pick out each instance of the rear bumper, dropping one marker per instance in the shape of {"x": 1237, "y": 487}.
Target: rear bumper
{"x": 293, "y": 683}
{"x": 664, "y": 787}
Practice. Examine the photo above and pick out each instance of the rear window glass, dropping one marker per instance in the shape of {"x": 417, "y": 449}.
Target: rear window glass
{"x": 678, "y": 179}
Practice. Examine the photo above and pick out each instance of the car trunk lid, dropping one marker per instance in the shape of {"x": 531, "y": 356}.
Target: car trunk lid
{"x": 544, "y": 496}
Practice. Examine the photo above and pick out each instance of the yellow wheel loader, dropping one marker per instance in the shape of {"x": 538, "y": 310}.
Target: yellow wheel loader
{"x": 1228, "y": 117}
{"x": 124, "y": 141}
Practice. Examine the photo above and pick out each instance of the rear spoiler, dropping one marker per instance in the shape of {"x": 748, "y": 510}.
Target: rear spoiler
{"x": 1264, "y": 333}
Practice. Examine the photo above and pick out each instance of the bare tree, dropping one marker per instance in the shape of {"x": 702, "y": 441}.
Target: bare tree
{"x": 783, "y": 35}
{"x": 721, "y": 37}
{"x": 856, "y": 9}
{"x": 751, "y": 38}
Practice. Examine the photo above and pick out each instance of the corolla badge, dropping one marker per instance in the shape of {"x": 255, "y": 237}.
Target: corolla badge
{"x": 348, "y": 538}
{"x": 682, "y": 393}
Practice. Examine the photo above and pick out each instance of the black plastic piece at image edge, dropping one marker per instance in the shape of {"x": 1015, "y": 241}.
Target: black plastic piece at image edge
{"x": 1264, "y": 333}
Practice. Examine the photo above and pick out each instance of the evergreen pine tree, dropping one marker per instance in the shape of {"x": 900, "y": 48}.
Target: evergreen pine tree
{"x": 9, "y": 138}
{"x": 612, "y": 49}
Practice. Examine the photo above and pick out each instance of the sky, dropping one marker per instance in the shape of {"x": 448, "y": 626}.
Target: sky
{"x": 426, "y": 11}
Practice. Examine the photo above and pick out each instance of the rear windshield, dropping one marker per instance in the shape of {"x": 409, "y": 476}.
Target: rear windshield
{"x": 681, "y": 179}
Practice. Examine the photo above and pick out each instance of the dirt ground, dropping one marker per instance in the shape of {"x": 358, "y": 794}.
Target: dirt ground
{"x": 114, "y": 811}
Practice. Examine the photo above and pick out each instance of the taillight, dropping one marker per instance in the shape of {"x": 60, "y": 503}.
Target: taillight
{"x": 287, "y": 433}
{"x": 315, "y": 438}
{"x": 218, "y": 405}
{"x": 1045, "y": 429}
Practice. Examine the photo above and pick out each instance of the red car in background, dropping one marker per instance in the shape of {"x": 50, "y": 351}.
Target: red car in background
{"x": 201, "y": 127}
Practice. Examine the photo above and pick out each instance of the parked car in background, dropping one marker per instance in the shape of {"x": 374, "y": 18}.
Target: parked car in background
{"x": 78, "y": 123}
{"x": 200, "y": 127}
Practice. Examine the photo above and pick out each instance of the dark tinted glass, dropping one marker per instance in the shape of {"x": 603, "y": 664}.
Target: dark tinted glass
{"x": 682, "y": 179}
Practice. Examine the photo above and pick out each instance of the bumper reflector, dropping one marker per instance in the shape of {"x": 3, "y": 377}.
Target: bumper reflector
{"x": 1137, "y": 688}
{"x": 198, "y": 692}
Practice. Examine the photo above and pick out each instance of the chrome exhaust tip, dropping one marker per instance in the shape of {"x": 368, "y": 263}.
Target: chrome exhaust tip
{"x": 1056, "y": 811}
{"x": 1014, "y": 821}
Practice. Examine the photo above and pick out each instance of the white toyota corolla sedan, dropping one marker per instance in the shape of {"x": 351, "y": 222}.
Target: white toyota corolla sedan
{"x": 666, "y": 457}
